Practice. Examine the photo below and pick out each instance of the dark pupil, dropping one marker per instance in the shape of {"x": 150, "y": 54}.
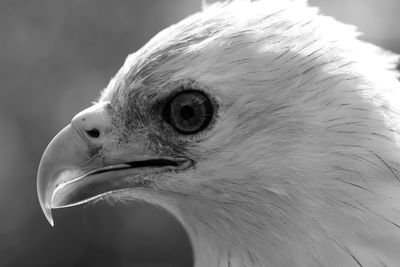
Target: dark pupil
{"x": 187, "y": 112}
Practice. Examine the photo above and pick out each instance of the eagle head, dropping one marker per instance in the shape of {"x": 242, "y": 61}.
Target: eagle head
{"x": 269, "y": 130}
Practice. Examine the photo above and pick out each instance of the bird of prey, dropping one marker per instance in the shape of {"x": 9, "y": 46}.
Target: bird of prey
{"x": 267, "y": 129}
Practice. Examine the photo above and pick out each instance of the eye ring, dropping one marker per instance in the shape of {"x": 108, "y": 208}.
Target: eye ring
{"x": 188, "y": 112}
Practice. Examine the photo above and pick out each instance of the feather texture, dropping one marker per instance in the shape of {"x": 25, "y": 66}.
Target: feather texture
{"x": 302, "y": 165}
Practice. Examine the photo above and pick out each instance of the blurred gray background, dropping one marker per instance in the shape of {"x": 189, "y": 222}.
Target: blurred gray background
{"x": 55, "y": 57}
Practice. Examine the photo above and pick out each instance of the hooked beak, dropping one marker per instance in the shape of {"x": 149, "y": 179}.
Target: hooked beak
{"x": 74, "y": 170}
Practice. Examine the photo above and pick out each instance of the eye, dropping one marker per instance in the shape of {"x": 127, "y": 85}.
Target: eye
{"x": 189, "y": 112}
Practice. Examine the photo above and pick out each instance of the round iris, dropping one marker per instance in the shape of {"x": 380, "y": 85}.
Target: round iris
{"x": 189, "y": 111}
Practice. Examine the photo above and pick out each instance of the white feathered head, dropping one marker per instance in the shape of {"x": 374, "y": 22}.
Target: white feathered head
{"x": 267, "y": 129}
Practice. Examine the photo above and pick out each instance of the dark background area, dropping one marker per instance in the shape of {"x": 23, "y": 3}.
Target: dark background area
{"x": 55, "y": 57}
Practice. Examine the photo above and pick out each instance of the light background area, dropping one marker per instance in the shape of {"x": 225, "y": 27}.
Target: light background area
{"x": 55, "y": 57}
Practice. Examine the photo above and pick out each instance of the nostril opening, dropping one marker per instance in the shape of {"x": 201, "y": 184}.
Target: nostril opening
{"x": 94, "y": 133}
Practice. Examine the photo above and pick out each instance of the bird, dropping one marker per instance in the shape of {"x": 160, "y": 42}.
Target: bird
{"x": 269, "y": 130}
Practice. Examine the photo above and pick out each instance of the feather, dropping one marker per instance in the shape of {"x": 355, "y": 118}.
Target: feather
{"x": 302, "y": 165}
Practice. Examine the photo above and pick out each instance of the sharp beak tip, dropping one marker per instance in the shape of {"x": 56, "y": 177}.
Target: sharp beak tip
{"x": 68, "y": 150}
{"x": 46, "y": 211}
{"x": 44, "y": 202}
{"x": 49, "y": 218}
{"x": 60, "y": 149}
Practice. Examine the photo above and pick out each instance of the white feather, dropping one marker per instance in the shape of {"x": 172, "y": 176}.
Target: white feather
{"x": 302, "y": 166}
